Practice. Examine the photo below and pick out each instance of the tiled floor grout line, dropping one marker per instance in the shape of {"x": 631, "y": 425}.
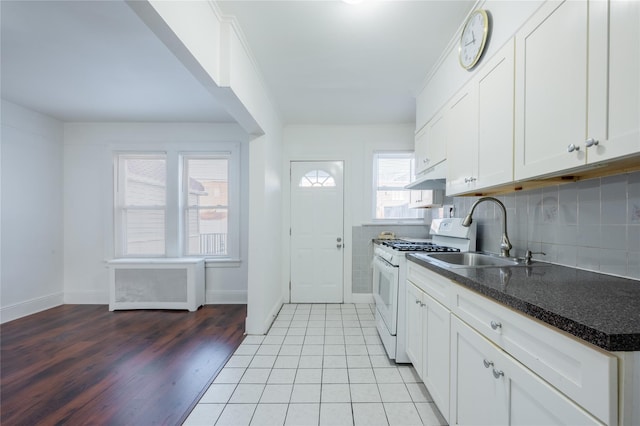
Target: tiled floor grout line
{"x": 364, "y": 319}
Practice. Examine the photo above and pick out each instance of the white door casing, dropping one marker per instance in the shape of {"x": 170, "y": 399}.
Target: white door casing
{"x": 317, "y": 231}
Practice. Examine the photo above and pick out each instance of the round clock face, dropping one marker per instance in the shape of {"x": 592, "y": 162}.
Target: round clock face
{"x": 473, "y": 39}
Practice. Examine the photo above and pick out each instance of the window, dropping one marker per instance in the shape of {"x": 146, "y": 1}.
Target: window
{"x": 391, "y": 173}
{"x": 178, "y": 204}
{"x": 317, "y": 179}
{"x": 206, "y": 190}
{"x": 141, "y": 204}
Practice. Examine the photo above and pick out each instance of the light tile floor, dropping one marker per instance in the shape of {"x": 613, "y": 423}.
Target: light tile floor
{"x": 318, "y": 365}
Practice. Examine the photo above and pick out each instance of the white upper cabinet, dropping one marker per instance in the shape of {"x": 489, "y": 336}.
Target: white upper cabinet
{"x": 430, "y": 144}
{"x": 481, "y": 128}
{"x": 614, "y": 114}
{"x": 551, "y": 89}
{"x": 462, "y": 163}
{"x": 577, "y": 89}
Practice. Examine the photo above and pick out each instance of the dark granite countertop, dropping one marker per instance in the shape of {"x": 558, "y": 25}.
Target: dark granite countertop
{"x": 601, "y": 309}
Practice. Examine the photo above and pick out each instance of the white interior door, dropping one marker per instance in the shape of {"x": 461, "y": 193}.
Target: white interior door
{"x": 317, "y": 238}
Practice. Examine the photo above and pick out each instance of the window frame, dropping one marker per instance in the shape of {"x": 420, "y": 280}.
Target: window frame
{"x": 233, "y": 202}
{"x": 375, "y": 188}
{"x": 120, "y": 229}
{"x": 174, "y": 210}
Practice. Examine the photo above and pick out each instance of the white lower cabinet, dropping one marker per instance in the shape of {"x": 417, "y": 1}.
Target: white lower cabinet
{"x": 489, "y": 387}
{"x": 428, "y": 344}
{"x": 486, "y": 364}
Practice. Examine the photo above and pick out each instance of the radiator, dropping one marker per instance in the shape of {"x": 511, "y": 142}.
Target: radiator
{"x": 166, "y": 283}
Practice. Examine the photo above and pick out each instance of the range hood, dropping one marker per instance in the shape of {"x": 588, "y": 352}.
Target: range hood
{"x": 433, "y": 178}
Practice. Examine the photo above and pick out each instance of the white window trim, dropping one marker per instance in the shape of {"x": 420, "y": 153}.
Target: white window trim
{"x": 374, "y": 188}
{"x": 233, "y": 217}
{"x": 118, "y": 201}
{"x": 174, "y": 239}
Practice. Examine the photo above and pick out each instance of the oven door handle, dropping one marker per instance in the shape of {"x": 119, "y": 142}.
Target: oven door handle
{"x": 383, "y": 264}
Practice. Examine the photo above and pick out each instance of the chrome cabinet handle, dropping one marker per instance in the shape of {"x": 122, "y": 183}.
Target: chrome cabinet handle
{"x": 496, "y": 325}
{"x": 591, "y": 142}
{"x": 339, "y": 245}
{"x": 486, "y": 363}
{"x": 573, "y": 147}
{"x": 469, "y": 180}
{"x": 417, "y": 302}
{"x": 422, "y": 305}
{"x": 339, "y": 239}
{"x": 498, "y": 373}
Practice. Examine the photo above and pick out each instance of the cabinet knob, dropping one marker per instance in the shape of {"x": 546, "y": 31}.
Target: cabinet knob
{"x": 469, "y": 180}
{"x": 425, "y": 161}
{"x": 417, "y": 302}
{"x": 422, "y": 305}
{"x": 486, "y": 363}
{"x": 496, "y": 325}
{"x": 573, "y": 147}
{"x": 591, "y": 142}
{"x": 497, "y": 373}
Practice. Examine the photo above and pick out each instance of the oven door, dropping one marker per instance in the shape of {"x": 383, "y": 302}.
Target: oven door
{"x": 385, "y": 291}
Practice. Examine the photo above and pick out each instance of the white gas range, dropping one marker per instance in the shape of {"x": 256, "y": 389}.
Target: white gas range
{"x": 390, "y": 274}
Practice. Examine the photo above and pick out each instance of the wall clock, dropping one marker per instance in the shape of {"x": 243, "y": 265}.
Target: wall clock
{"x": 473, "y": 40}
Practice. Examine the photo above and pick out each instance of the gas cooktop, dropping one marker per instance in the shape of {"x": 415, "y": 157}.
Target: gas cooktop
{"x": 403, "y": 245}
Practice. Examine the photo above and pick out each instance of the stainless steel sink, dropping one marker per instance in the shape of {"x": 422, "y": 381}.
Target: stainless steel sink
{"x": 471, "y": 260}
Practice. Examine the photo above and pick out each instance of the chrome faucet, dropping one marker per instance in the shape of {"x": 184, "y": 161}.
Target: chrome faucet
{"x": 505, "y": 244}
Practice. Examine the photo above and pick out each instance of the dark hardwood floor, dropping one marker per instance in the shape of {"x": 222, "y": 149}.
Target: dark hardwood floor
{"x": 81, "y": 364}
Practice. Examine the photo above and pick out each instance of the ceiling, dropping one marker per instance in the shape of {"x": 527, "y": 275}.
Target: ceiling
{"x": 321, "y": 61}
{"x": 96, "y": 61}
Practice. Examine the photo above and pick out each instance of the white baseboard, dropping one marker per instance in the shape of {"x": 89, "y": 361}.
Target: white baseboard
{"x": 362, "y": 298}
{"x": 29, "y": 307}
{"x": 266, "y": 323}
{"x": 226, "y": 297}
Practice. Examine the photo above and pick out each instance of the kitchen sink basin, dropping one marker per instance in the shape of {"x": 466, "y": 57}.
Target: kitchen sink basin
{"x": 472, "y": 260}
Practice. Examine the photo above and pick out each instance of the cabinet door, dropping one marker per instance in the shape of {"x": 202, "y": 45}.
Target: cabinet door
{"x": 436, "y": 350}
{"x": 495, "y": 86}
{"x": 420, "y": 150}
{"x": 462, "y": 163}
{"x": 436, "y": 140}
{"x": 414, "y": 327}
{"x": 501, "y": 390}
{"x": 614, "y": 108}
{"x": 551, "y": 89}
{"x": 533, "y": 401}
{"x": 477, "y": 397}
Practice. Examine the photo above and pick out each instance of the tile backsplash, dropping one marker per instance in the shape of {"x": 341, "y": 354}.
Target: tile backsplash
{"x": 592, "y": 224}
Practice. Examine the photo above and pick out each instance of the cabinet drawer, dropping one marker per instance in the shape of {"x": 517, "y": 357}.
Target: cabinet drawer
{"x": 431, "y": 283}
{"x": 584, "y": 373}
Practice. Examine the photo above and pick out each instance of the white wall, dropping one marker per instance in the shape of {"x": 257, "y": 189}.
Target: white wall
{"x": 32, "y": 212}
{"x": 223, "y": 63}
{"x": 88, "y": 201}
{"x": 355, "y": 145}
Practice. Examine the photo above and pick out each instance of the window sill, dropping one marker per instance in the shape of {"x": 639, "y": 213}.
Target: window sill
{"x": 395, "y": 222}
{"x": 222, "y": 263}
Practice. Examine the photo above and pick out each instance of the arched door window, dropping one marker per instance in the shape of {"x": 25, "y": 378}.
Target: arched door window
{"x": 317, "y": 179}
